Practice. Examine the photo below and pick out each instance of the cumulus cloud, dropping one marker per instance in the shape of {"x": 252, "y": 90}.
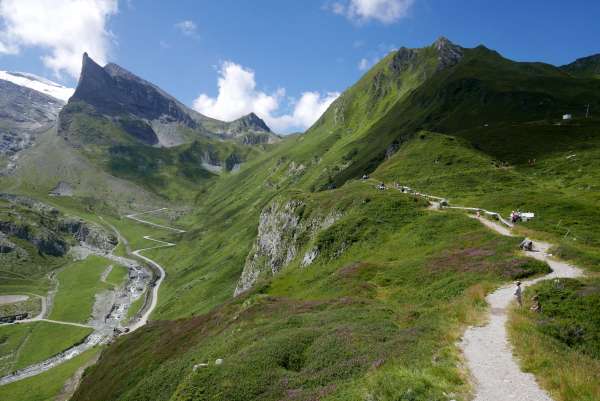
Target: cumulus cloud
{"x": 188, "y": 28}
{"x": 238, "y": 96}
{"x": 63, "y": 28}
{"x": 385, "y": 11}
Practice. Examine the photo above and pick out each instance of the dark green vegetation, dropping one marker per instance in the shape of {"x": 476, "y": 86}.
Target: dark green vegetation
{"x": 561, "y": 343}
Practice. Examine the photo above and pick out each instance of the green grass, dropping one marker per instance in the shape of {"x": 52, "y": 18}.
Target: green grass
{"x": 378, "y": 314}
{"x": 370, "y": 320}
{"x": 78, "y": 284}
{"x": 561, "y": 344}
{"x": 450, "y": 167}
{"x": 117, "y": 275}
{"x": 48, "y": 385}
{"x": 22, "y": 345}
{"x": 135, "y": 306}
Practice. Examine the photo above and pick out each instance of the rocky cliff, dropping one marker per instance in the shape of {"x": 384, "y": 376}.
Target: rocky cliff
{"x": 24, "y": 114}
{"x": 284, "y": 229}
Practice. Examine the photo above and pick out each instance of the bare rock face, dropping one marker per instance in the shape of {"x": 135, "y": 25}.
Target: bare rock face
{"x": 62, "y": 189}
{"x": 6, "y": 246}
{"x": 275, "y": 245}
{"x": 449, "y": 54}
{"x": 51, "y": 233}
{"x": 283, "y": 230}
{"x": 88, "y": 233}
{"x": 24, "y": 114}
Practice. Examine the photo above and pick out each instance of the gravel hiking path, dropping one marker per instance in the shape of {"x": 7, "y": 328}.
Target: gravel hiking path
{"x": 488, "y": 353}
{"x": 486, "y": 348}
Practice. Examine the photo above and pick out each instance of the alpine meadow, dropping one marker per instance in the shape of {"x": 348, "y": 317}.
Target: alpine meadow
{"x": 429, "y": 233}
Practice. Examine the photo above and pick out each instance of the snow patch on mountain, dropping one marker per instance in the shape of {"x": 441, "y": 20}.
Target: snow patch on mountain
{"x": 39, "y": 84}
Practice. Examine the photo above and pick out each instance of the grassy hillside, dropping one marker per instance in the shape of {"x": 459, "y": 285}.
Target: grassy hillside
{"x": 377, "y": 311}
{"x": 561, "y": 343}
{"x": 392, "y": 279}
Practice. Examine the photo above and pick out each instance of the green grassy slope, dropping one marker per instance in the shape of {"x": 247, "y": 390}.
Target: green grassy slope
{"x": 561, "y": 343}
{"x": 561, "y": 188}
{"x": 78, "y": 284}
{"x": 405, "y": 279}
{"x": 379, "y": 311}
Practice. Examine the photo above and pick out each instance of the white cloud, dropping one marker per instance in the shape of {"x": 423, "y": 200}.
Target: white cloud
{"x": 386, "y": 11}
{"x": 188, "y": 28}
{"x": 65, "y": 28}
{"x": 239, "y": 96}
{"x": 363, "y": 64}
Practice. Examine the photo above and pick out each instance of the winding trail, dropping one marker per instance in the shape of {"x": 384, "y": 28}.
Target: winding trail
{"x": 96, "y": 337}
{"x": 143, "y": 320}
{"x": 487, "y": 350}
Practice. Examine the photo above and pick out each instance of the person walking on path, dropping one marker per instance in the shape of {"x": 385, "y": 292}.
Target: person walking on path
{"x": 519, "y": 293}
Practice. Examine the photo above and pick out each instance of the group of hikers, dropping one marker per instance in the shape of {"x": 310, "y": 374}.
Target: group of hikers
{"x": 526, "y": 245}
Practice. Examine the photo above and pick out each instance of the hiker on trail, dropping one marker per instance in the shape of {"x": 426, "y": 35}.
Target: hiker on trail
{"x": 478, "y": 214}
{"x": 519, "y": 293}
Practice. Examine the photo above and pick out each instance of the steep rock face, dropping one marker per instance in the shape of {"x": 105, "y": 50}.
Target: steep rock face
{"x": 449, "y": 54}
{"x": 114, "y": 91}
{"x": 284, "y": 228}
{"x": 275, "y": 245}
{"x": 45, "y": 240}
{"x": 6, "y": 246}
{"x": 24, "y": 113}
{"x": 88, "y": 233}
{"x": 146, "y": 112}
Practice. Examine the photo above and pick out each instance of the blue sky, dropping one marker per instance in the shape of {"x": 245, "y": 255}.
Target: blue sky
{"x": 288, "y": 58}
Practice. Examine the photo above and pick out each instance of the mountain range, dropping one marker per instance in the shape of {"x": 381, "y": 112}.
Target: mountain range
{"x": 293, "y": 277}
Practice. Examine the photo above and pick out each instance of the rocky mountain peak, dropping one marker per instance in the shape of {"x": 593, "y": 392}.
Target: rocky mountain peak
{"x": 114, "y": 91}
{"x": 449, "y": 54}
{"x": 253, "y": 122}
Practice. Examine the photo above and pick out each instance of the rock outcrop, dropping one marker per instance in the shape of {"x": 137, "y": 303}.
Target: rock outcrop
{"x": 284, "y": 228}
{"x": 48, "y": 230}
{"x": 24, "y": 115}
